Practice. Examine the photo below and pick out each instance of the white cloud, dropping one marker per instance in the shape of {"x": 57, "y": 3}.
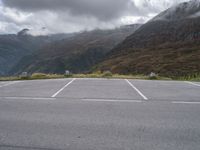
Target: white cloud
{"x": 75, "y": 15}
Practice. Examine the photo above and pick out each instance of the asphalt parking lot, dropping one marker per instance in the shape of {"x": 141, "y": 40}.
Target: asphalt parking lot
{"x": 99, "y": 114}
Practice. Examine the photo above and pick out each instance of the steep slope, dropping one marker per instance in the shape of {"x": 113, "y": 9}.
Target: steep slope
{"x": 16, "y": 46}
{"x": 169, "y": 44}
{"x": 77, "y": 54}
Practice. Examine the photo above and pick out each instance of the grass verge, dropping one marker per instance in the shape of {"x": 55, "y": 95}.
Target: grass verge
{"x": 108, "y": 75}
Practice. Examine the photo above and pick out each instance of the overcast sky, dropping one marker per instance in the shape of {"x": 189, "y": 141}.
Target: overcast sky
{"x": 64, "y": 16}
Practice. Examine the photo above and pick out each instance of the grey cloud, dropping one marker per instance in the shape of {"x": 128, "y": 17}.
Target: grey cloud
{"x": 103, "y": 10}
{"x": 100, "y": 9}
{"x": 76, "y": 15}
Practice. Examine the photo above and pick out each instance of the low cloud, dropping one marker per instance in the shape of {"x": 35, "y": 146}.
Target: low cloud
{"x": 75, "y": 15}
{"x": 100, "y": 9}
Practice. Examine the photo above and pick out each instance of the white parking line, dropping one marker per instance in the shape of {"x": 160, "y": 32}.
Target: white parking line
{"x": 176, "y": 102}
{"x": 29, "y": 98}
{"x": 138, "y": 91}
{"x": 104, "y": 79}
{"x": 10, "y": 83}
{"x": 192, "y": 83}
{"x": 54, "y": 95}
{"x": 111, "y": 100}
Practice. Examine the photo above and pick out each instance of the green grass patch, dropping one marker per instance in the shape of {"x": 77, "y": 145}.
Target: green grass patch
{"x": 45, "y": 76}
{"x": 194, "y": 77}
{"x": 9, "y": 78}
{"x": 106, "y": 74}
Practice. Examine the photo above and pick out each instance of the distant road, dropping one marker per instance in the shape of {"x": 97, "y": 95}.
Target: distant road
{"x": 99, "y": 114}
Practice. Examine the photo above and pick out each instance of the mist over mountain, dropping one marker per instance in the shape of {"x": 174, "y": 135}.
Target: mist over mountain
{"x": 169, "y": 44}
{"x": 184, "y": 10}
{"x": 67, "y": 16}
{"x": 77, "y": 53}
{"x": 13, "y": 47}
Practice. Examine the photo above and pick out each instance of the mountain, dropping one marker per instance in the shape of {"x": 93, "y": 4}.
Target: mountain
{"x": 13, "y": 47}
{"x": 182, "y": 11}
{"x": 24, "y": 32}
{"x": 169, "y": 44}
{"x": 77, "y": 53}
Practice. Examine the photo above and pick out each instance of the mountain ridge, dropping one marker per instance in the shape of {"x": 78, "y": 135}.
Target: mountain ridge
{"x": 168, "y": 47}
{"x": 14, "y": 47}
{"x": 77, "y": 54}
{"x": 178, "y": 12}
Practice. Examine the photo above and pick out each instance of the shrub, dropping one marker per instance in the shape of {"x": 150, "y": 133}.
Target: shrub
{"x": 39, "y": 76}
{"x": 107, "y": 74}
{"x": 153, "y": 76}
{"x": 68, "y": 75}
{"x": 24, "y": 78}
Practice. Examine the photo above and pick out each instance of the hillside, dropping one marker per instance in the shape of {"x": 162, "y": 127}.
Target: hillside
{"x": 14, "y": 47}
{"x": 77, "y": 54}
{"x": 169, "y": 44}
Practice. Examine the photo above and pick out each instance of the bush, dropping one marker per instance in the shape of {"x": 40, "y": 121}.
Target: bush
{"x": 153, "y": 78}
{"x": 24, "y": 78}
{"x": 68, "y": 75}
{"x": 39, "y": 76}
{"x": 107, "y": 74}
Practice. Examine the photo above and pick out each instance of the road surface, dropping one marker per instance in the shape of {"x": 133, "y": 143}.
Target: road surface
{"x": 99, "y": 114}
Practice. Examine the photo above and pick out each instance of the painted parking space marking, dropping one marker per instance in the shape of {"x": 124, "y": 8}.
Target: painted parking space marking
{"x": 176, "y": 102}
{"x": 192, "y": 83}
{"x": 54, "y": 95}
{"x": 111, "y": 100}
{"x": 137, "y": 90}
{"x": 28, "y": 98}
{"x": 10, "y": 83}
